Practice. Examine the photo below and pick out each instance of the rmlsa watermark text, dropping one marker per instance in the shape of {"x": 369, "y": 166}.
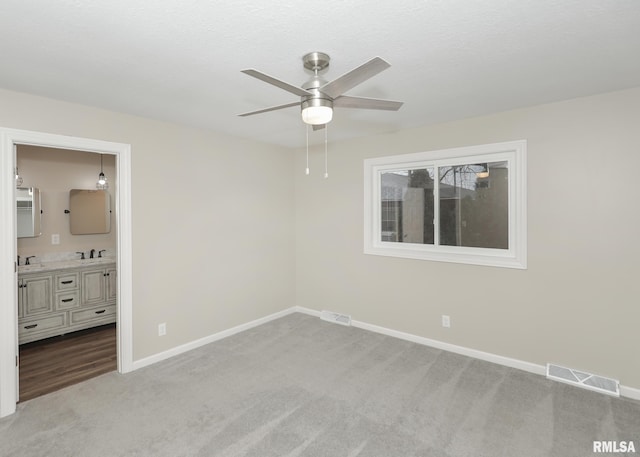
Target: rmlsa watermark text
{"x": 614, "y": 447}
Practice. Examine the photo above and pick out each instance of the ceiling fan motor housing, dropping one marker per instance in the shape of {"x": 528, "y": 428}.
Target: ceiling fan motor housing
{"x": 310, "y": 101}
{"x": 318, "y": 101}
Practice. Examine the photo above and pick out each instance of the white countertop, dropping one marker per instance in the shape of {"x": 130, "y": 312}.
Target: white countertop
{"x": 38, "y": 267}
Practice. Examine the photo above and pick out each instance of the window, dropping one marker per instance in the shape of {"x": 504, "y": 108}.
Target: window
{"x": 464, "y": 205}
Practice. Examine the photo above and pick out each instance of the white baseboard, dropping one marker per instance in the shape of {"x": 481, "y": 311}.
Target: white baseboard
{"x": 303, "y": 310}
{"x": 628, "y": 392}
{"x": 209, "y": 339}
{"x": 486, "y": 356}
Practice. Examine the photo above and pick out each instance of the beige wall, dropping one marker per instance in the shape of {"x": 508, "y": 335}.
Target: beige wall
{"x": 55, "y": 172}
{"x": 213, "y": 219}
{"x": 576, "y": 304}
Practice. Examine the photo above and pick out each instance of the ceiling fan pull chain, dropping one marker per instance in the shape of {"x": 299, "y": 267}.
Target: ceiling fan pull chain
{"x": 326, "y": 160}
{"x": 307, "y": 169}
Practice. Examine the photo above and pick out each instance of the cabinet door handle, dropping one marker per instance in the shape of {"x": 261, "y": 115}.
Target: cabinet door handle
{"x": 30, "y": 326}
{"x": 67, "y": 282}
{"x": 67, "y": 300}
{"x": 101, "y": 311}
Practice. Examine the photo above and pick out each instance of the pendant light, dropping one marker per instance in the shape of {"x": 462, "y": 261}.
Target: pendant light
{"x": 18, "y": 178}
{"x": 102, "y": 183}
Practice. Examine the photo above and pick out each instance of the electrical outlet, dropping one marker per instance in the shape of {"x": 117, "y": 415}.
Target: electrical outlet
{"x": 446, "y": 321}
{"x": 55, "y": 238}
{"x": 162, "y": 329}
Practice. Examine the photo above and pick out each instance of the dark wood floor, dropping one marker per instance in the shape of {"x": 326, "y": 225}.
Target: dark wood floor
{"x": 51, "y": 364}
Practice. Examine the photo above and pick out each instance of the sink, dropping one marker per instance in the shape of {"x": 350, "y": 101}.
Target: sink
{"x": 31, "y": 267}
{"x": 96, "y": 260}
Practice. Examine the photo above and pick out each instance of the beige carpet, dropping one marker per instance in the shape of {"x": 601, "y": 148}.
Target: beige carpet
{"x": 299, "y": 386}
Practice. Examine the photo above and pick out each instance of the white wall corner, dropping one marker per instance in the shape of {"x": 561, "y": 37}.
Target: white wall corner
{"x": 210, "y": 339}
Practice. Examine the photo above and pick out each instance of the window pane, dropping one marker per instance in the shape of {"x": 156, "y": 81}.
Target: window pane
{"x": 407, "y": 206}
{"x": 474, "y": 205}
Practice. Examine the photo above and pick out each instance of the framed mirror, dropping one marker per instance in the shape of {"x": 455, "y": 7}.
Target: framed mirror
{"x": 28, "y": 211}
{"x": 90, "y": 212}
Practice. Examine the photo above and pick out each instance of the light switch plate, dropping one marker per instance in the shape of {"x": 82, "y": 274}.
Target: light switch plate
{"x": 55, "y": 238}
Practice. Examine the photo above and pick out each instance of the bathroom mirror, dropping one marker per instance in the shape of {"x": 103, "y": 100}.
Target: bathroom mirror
{"x": 89, "y": 212}
{"x": 28, "y": 212}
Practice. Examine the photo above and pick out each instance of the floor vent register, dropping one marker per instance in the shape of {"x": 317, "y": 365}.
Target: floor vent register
{"x": 585, "y": 380}
{"x": 336, "y": 318}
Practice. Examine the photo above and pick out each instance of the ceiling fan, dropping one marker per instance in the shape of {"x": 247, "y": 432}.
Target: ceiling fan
{"x": 318, "y": 97}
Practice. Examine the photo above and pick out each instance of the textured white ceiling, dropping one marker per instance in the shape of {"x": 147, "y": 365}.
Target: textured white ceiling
{"x": 180, "y": 60}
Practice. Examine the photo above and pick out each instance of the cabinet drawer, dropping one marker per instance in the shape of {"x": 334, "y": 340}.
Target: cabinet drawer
{"x": 67, "y": 281}
{"x": 67, "y": 300}
{"x": 97, "y": 313}
{"x": 28, "y": 326}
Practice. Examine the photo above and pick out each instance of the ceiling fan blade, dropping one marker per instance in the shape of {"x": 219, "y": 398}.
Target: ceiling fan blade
{"x": 346, "y": 101}
{"x": 319, "y": 127}
{"x": 354, "y": 77}
{"x": 276, "y": 82}
{"x": 273, "y": 108}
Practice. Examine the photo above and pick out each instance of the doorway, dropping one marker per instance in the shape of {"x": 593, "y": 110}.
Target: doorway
{"x": 66, "y": 306}
{"x": 9, "y": 140}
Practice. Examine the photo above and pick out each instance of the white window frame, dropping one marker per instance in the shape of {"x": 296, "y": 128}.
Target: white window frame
{"x": 513, "y": 152}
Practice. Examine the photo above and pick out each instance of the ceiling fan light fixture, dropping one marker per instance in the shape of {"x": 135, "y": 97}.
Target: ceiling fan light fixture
{"x": 484, "y": 171}
{"x": 317, "y": 95}
{"x": 317, "y": 111}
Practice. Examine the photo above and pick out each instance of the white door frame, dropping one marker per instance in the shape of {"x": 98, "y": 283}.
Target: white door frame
{"x": 8, "y": 250}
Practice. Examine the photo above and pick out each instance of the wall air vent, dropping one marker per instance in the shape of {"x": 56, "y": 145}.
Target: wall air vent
{"x": 585, "y": 380}
{"x": 336, "y": 318}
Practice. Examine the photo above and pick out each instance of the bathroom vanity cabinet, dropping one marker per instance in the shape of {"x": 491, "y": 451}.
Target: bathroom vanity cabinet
{"x": 34, "y": 294}
{"x": 53, "y": 302}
